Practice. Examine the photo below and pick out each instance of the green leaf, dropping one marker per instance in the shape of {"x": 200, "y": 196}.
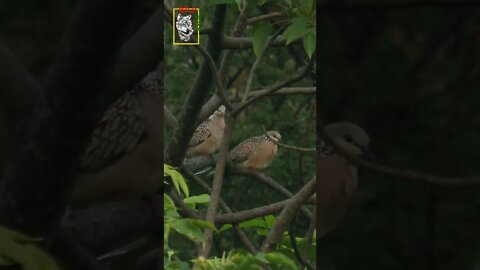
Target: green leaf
{"x": 188, "y": 229}
{"x": 224, "y": 228}
{"x": 281, "y": 259}
{"x": 258, "y": 222}
{"x": 270, "y": 220}
{"x": 177, "y": 179}
{"x": 239, "y": 4}
{"x": 261, "y": 256}
{"x": 289, "y": 2}
{"x": 17, "y": 248}
{"x": 260, "y": 36}
{"x": 296, "y": 30}
{"x": 200, "y": 199}
{"x": 309, "y": 44}
{"x": 202, "y": 224}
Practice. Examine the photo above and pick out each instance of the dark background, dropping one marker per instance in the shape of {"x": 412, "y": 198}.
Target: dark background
{"x": 411, "y": 78}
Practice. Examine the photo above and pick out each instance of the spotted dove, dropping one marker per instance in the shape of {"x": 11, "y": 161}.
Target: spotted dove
{"x": 124, "y": 156}
{"x": 208, "y": 136}
{"x": 336, "y": 177}
{"x": 256, "y": 152}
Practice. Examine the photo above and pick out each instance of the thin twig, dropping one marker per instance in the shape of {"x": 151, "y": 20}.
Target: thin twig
{"x": 273, "y": 88}
{"x": 218, "y": 80}
{"x": 291, "y": 147}
{"x": 264, "y": 17}
{"x": 257, "y": 61}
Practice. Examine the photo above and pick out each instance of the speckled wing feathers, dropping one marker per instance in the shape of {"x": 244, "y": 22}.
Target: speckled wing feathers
{"x": 242, "y": 151}
{"x": 117, "y": 133}
{"x": 121, "y": 127}
{"x": 201, "y": 133}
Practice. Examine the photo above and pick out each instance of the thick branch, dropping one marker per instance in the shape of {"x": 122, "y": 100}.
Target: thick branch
{"x": 264, "y": 17}
{"x": 287, "y": 215}
{"x": 272, "y": 184}
{"x": 218, "y": 79}
{"x": 217, "y": 184}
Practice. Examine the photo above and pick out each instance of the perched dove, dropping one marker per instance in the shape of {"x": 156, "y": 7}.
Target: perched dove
{"x": 336, "y": 177}
{"x": 125, "y": 154}
{"x": 256, "y": 152}
{"x": 208, "y": 136}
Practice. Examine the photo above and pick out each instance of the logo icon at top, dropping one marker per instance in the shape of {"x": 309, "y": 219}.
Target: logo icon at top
{"x": 186, "y": 28}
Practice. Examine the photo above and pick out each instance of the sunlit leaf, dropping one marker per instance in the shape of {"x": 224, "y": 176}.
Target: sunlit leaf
{"x": 177, "y": 179}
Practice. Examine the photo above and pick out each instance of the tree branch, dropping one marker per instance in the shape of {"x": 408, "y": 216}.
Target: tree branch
{"x": 218, "y": 80}
{"x": 241, "y": 234}
{"x": 288, "y": 91}
{"x": 217, "y": 183}
{"x": 291, "y": 147}
{"x": 264, "y": 17}
{"x": 271, "y": 89}
{"x": 273, "y": 185}
{"x": 287, "y": 215}
{"x": 248, "y": 87}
